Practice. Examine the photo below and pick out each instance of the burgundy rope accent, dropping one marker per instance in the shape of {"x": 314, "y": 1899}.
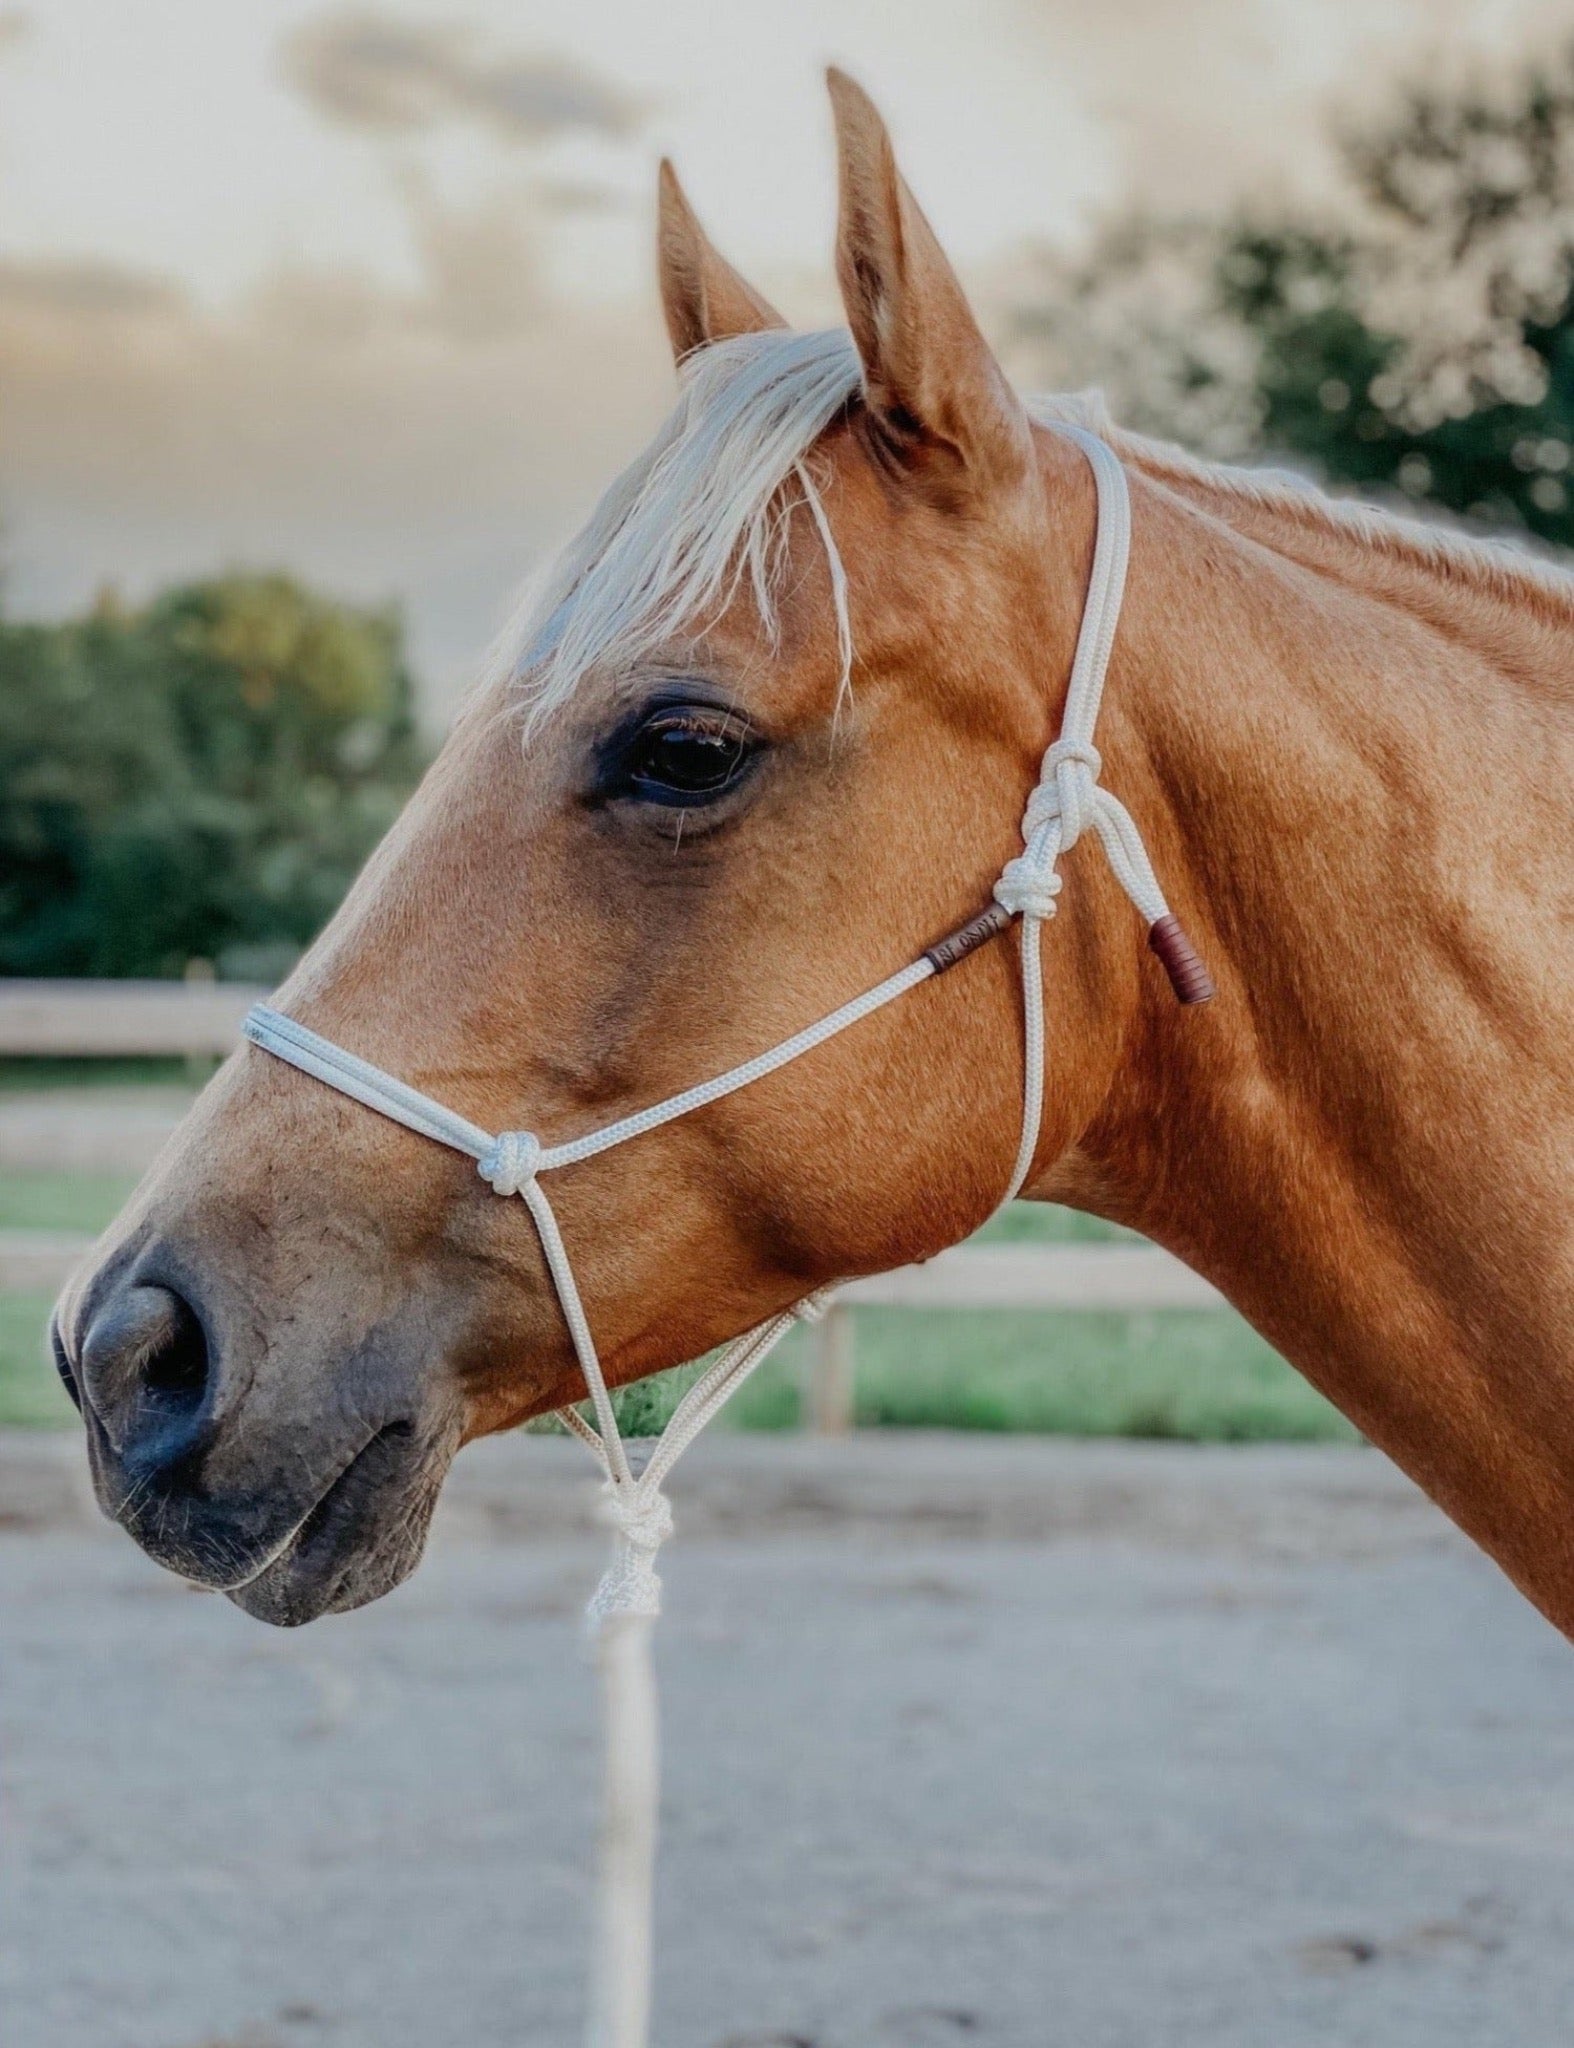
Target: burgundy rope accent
{"x": 1190, "y": 980}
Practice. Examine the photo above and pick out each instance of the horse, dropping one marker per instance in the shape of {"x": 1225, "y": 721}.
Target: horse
{"x": 765, "y": 730}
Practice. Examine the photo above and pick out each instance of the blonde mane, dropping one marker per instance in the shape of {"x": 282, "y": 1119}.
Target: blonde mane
{"x": 1507, "y": 565}
{"x": 706, "y": 507}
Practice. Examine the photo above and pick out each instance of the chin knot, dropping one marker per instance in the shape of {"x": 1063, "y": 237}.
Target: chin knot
{"x": 642, "y": 1522}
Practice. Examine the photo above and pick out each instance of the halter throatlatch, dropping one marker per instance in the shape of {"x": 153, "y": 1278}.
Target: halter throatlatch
{"x": 1067, "y": 802}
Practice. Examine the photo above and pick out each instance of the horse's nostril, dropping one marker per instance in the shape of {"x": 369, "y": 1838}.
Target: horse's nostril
{"x": 179, "y": 1367}
{"x": 145, "y": 1351}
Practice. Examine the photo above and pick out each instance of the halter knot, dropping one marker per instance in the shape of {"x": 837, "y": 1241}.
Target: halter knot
{"x": 1029, "y": 885}
{"x": 643, "y": 1522}
{"x": 1082, "y": 751}
{"x": 1059, "y": 811}
{"x": 642, "y": 1519}
{"x": 1067, "y": 793}
{"x": 510, "y": 1162}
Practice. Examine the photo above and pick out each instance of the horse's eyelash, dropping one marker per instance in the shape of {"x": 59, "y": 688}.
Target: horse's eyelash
{"x": 718, "y": 725}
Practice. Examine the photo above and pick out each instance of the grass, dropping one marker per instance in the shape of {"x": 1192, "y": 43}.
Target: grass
{"x": 25, "y": 1076}
{"x": 1196, "y": 1374}
{"x": 31, "y": 1396}
{"x": 61, "y": 1201}
{"x": 1042, "y": 1223}
{"x": 1200, "y": 1376}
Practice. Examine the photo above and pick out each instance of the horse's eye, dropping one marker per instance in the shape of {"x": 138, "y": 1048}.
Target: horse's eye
{"x": 687, "y": 756}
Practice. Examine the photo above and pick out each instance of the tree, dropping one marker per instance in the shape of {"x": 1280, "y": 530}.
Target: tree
{"x": 1423, "y": 342}
{"x": 196, "y": 780}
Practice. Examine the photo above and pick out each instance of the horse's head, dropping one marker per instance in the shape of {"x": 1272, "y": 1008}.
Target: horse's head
{"x": 768, "y": 736}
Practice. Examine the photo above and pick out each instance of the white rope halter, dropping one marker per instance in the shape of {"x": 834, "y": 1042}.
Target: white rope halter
{"x": 1066, "y": 802}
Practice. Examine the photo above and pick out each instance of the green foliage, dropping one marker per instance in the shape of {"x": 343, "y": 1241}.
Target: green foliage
{"x": 89, "y": 1202}
{"x": 1419, "y": 343}
{"x": 31, "y": 1396}
{"x": 197, "y": 780}
{"x": 1325, "y": 378}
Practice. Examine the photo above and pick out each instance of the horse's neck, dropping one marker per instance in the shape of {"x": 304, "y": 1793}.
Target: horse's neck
{"x": 1367, "y": 769}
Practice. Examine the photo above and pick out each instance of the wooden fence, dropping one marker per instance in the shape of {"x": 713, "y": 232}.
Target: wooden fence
{"x": 122, "y": 1019}
{"x": 203, "y": 1019}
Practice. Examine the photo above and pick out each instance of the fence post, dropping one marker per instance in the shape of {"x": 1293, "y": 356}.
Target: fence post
{"x": 832, "y": 1368}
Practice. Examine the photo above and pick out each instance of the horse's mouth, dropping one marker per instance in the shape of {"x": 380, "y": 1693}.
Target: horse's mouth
{"x": 291, "y": 1520}
{"x": 365, "y": 1535}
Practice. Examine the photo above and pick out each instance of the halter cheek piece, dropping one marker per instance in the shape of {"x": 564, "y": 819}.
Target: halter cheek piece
{"x": 1067, "y": 802}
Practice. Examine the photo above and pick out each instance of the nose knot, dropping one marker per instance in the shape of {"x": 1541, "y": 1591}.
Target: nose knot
{"x": 510, "y": 1162}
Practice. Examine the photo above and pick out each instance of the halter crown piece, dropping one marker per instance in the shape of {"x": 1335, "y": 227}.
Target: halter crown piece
{"x": 1067, "y": 802}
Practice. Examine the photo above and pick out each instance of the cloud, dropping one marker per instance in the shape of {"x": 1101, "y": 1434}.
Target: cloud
{"x": 425, "y": 445}
{"x": 481, "y": 261}
{"x": 386, "y": 76}
{"x": 86, "y": 289}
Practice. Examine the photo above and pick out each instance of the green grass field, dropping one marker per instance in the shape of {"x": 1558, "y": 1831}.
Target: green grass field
{"x": 30, "y": 1395}
{"x": 29, "y": 1076}
{"x": 61, "y": 1201}
{"x": 1186, "y": 1373}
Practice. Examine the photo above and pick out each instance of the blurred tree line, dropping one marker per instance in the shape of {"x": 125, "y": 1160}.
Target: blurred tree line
{"x": 1418, "y": 336}
{"x": 200, "y": 779}
{"x": 194, "y": 781}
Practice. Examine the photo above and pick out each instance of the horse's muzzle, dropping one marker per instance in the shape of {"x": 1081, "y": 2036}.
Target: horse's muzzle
{"x": 215, "y": 1465}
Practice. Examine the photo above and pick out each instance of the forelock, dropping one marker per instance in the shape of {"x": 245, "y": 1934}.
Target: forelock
{"x": 702, "y": 509}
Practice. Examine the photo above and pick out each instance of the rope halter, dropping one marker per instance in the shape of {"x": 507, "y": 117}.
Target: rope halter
{"x": 1067, "y": 802}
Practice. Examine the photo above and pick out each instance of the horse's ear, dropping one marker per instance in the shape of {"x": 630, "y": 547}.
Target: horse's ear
{"x": 937, "y": 399}
{"x": 703, "y": 297}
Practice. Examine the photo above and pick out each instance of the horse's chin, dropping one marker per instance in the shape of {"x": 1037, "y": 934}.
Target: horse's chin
{"x": 363, "y": 1538}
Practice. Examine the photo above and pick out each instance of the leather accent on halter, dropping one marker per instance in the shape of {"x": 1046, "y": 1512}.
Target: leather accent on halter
{"x": 990, "y": 922}
{"x": 1180, "y": 960}
{"x": 1188, "y": 975}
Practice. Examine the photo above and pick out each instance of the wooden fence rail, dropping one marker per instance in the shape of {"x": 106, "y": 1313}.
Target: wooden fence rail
{"x": 1125, "y": 1278}
{"x": 123, "y": 1019}
{"x": 126, "y": 1018}
{"x": 1044, "y": 1277}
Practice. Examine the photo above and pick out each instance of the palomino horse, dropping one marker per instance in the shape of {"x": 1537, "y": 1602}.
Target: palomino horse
{"x": 768, "y": 735}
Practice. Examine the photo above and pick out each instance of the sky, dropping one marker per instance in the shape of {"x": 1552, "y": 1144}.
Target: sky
{"x": 366, "y": 291}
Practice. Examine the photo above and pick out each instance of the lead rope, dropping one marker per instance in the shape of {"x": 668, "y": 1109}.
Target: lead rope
{"x": 1066, "y": 802}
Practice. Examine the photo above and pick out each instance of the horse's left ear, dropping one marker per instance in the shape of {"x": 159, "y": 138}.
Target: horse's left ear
{"x": 937, "y": 399}
{"x": 703, "y": 297}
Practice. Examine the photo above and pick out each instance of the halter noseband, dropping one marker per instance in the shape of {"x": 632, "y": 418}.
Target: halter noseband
{"x": 1067, "y": 801}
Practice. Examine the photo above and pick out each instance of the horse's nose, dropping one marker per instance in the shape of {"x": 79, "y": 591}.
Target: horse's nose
{"x": 144, "y": 1373}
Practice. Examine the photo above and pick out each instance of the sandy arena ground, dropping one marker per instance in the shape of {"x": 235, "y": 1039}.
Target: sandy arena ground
{"x": 970, "y": 1745}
